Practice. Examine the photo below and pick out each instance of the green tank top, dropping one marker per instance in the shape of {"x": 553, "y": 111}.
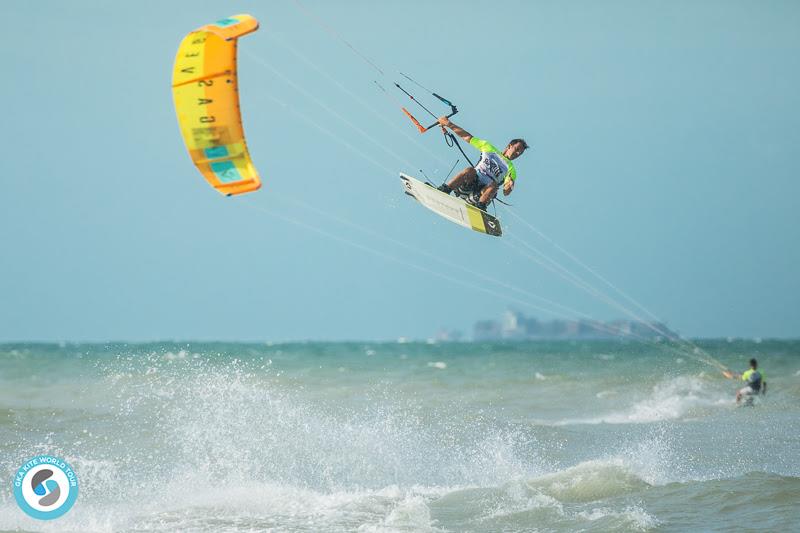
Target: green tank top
{"x": 493, "y": 163}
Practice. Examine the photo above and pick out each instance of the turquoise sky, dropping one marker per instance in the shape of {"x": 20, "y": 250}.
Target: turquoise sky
{"x": 665, "y": 157}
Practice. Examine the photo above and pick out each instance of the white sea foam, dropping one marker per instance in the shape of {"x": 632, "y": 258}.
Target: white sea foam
{"x": 250, "y": 507}
{"x": 633, "y": 516}
{"x": 562, "y": 499}
{"x": 180, "y": 354}
{"x": 517, "y": 497}
{"x": 590, "y": 480}
{"x": 671, "y": 399}
{"x": 605, "y": 394}
{"x": 409, "y": 514}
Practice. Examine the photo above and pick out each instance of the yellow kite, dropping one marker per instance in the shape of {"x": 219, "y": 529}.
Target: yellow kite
{"x": 206, "y": 94}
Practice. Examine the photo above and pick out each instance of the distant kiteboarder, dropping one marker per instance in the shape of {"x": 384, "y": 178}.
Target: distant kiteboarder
{"x": 756, "y": 383}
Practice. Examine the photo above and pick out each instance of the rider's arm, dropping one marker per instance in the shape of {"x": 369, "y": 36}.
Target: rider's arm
{"x": 510, "y": 179}
{"x": 444, "y": 121}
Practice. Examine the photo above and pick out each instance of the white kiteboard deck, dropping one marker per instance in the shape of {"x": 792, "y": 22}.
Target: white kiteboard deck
{"x": 451, "y": 207}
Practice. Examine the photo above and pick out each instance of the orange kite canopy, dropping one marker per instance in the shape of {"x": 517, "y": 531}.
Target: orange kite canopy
{"x": 206, "y": 94}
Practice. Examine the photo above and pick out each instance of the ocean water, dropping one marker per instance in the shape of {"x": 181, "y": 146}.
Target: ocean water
{"x": 380, "y": 437}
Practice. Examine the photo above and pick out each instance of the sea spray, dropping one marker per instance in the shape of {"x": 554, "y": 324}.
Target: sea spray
{"x": 370, "y": 437}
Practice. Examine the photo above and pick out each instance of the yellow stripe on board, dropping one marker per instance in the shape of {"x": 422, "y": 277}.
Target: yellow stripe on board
{"x": 475, "y": 218}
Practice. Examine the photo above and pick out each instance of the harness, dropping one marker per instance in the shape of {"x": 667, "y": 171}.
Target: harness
{"x": 754, "y": 381}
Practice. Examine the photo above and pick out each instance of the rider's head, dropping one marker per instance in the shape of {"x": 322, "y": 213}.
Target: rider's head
{"x": 753, "y": 363}
{"x": 515, "y": 148}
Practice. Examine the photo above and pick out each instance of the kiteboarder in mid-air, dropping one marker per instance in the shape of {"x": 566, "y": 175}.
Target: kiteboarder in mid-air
{"x": 479, "y": 184}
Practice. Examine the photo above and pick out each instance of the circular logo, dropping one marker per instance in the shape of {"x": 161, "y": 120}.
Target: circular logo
{"x": 45, "y": 487}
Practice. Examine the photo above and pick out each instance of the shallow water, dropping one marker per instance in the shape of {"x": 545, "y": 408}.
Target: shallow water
{"x": 544, "y": 436}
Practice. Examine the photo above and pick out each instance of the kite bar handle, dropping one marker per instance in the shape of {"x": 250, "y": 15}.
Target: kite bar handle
{"x": 420, "y": 127}
{"x": 452, "y": 112}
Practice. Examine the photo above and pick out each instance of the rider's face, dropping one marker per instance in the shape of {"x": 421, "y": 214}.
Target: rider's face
{"x": 515, "y": 150}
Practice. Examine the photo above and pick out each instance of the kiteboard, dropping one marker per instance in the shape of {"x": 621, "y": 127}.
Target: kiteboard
{"x": 451, "y": 207}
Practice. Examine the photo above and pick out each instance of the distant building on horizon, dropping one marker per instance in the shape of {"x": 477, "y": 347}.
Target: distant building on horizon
{"x": 446, "y": 335}
{"x": 516, "y": 326}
